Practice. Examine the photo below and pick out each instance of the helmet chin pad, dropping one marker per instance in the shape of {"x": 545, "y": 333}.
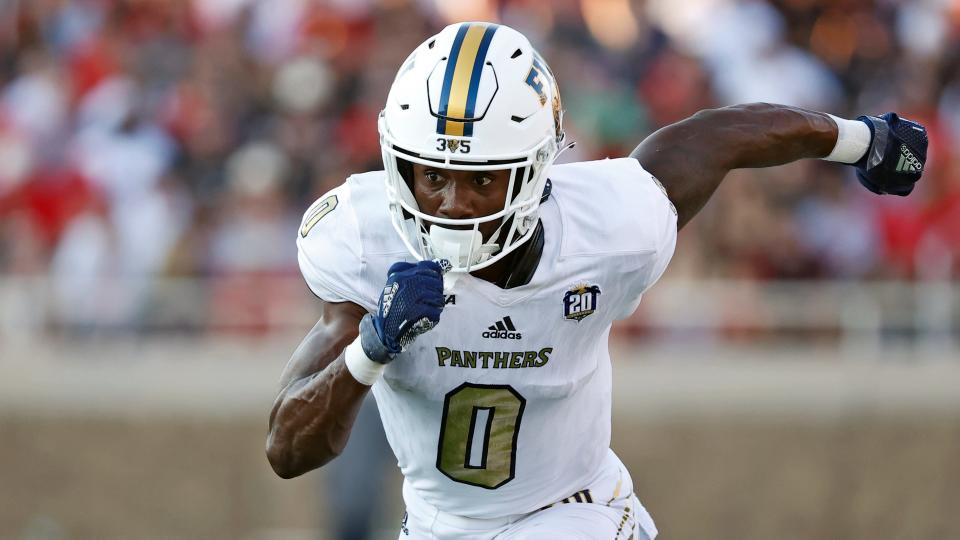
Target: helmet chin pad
{"x": 456, "y": 245}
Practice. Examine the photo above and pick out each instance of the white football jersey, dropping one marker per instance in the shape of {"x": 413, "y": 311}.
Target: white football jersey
{"x": 504, "y": 407}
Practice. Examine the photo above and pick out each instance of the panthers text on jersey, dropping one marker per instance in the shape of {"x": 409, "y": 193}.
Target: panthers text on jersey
{"x": 504, "y": 407}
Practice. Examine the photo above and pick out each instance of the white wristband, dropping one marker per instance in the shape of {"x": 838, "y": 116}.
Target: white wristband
{"x": 853, "y": 140}
{"x": 363, "y": 369}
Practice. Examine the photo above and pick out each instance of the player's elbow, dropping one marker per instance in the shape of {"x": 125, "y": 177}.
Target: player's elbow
{"x": 288, "y": 463}
{"x": 282, "y": 466}
{"x": 283, "y": 471}
{"x": 286, "y": 471}
{"x": 280, "y": 460}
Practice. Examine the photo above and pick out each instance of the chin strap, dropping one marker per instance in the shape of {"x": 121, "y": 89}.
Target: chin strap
{"x": 547, "y": 188}
{"x": 523, "y": 262}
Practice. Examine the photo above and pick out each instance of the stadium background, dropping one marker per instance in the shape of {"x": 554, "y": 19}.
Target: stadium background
{"x": 795, "y": 374}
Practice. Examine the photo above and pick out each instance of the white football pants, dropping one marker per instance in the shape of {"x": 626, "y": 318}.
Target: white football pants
{"x": 607, "y": 509}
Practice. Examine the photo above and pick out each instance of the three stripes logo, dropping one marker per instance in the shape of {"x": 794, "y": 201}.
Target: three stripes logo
{"x": 908, "y": 162}
{"x": 502, "y": 329}
{"x": 578, "y": 497}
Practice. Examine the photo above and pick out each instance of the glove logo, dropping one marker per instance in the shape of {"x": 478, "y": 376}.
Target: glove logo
{"x": 897, "y": 155}
{"x": 908, "y": 162}
{"x": 388, "y": 293}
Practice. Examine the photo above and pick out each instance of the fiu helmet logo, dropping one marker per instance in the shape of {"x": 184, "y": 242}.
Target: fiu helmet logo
{"x": 538, "y": 75}
{"x": 580, "y": 302}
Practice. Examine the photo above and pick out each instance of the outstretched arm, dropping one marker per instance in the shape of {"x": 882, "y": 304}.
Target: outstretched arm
{"x": 691, "y": 158}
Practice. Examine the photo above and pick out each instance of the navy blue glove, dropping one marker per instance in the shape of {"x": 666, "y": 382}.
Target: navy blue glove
{"x": 410, "y": 304}
{"x": 897, "y": 154}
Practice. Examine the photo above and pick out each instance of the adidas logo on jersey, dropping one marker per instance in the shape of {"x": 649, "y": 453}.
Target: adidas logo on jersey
{"x": 502, "y": 329}
{"x": 908, "y": 162}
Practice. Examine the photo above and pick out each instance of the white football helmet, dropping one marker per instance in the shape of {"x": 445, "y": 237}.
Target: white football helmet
{"x": 474, "y": 97}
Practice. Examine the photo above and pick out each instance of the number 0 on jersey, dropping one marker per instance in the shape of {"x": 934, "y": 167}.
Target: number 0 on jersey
{"x": 478, "y": 434}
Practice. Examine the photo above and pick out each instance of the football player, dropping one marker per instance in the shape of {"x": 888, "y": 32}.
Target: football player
{"x": 472, "y": 284}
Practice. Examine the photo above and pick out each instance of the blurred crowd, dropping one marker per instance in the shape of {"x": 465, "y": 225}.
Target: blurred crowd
{"x": 185, "y": 138}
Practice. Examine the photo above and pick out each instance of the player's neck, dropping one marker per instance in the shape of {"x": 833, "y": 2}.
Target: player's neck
{"x": 517, "y": 268}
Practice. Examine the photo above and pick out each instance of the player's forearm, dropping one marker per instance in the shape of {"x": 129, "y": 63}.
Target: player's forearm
{"x": 764, "y": 135}
{"x": 312, "y": 419}
{"x": 314, "y": 412}
{"x": 691, "y": 158}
